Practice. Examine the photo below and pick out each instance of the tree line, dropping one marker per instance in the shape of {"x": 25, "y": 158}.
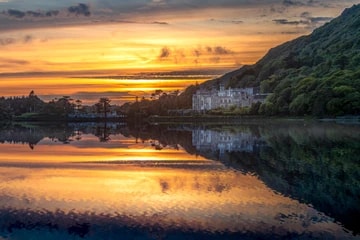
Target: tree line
{"x": 160, "y": 103}
{"x": 32, "y": 107}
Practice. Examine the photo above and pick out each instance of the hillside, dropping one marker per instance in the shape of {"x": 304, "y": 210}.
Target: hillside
{"x": 318, "y": 74}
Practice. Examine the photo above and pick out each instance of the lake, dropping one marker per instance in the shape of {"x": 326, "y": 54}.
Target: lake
{"x": 263, "y": 180}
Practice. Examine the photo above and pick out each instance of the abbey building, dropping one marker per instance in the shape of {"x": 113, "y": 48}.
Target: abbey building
{"x": 223, "y": 98}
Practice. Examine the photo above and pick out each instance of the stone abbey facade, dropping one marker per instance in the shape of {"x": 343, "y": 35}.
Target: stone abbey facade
{"x": 223, "y": 98}
{"x": 206, "y": 140}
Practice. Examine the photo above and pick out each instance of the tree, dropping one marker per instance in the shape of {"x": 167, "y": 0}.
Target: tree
{"x": 78, "y": 105}
{"x": 104, "y": 106}
{"x": 66, "y": 104}
{"x": 300, "y": 105}
{"x": 254, "y": 109}
{"x": 34, "y": 103}
{"x": 5, "y": 111}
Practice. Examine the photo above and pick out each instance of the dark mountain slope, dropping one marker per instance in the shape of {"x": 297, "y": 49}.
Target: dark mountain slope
{"x": 318, "y": 74}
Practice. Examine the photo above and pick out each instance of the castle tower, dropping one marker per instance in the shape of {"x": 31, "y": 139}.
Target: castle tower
{"x": 222, "y": 87}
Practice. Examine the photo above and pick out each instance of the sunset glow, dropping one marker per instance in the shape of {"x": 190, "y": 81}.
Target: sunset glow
{"x": 189, "y": 201}
{"x": 55, "y": 152}
{"x": 43, "y": 44}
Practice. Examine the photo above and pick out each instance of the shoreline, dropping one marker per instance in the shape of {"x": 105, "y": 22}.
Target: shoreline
{"x": 209, "y": 119}
{"x": 201, "y": 119}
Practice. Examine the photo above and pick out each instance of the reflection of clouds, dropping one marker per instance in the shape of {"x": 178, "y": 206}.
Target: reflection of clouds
{"x": 201, "y": 196}
{"x": 90, "y": 225}
{"x": 11, "y": 176}
{"x": 215, "y": 183}
{"x": 164, "y": 186}
{"x": 192, "y": 203}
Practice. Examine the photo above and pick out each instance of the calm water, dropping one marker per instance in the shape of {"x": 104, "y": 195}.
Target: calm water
{"x": 256, "y": 181}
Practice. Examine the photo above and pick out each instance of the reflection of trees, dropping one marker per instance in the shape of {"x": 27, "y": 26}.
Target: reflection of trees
{"x": 103, "y": 132}
{"x": 217, "y": 182}
{"x": 163, "y": 136}
{"x": 20, "y": 135}
{"x": 92, "y": 225}
{"x": 316, "y": 164}
{"x": 322, "y": 170}
{"x": 103, "y": 106}
{"x": 32, "y": 135}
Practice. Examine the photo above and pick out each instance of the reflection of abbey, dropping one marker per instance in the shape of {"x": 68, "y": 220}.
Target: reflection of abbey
{"x": 223, "y": 141}
{"x": 223, "y": 98}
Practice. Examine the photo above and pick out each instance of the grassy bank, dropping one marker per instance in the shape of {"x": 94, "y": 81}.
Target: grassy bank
{"x": 213, "y": 119}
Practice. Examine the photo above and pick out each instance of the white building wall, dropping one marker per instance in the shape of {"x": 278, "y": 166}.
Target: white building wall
{"x": 240, "y": 97}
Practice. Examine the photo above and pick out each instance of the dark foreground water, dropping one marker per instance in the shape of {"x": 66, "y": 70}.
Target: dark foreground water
{"x": 252, "y": 181}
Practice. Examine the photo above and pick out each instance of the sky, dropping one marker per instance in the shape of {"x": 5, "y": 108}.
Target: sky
{"x": 57, "y": 47}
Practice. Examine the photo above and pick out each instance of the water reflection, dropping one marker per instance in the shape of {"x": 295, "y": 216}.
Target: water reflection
{"x": 93, "y": 181}
{"x": 224, "y": 141}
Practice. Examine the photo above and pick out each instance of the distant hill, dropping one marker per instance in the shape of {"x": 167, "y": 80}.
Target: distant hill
{"x": 315, "y": 75}
{"x": 318, "y": 74}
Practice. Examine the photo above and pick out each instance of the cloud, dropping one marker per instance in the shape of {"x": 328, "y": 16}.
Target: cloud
{"x": 234, "y": 21}
{"x": 27, "y": 38}
{"x": 287, "y": 22}
{"x": 292, "y": 32}
{"x": 198, "y": 55}
{"x": 308, "y": 16}
{"x": 158, "y": 2}
{"x": 215, "y": 59}
{"x": 309, "y": 3}
{"x": 320, "y": 19}
{"x": 164, "y": 53}
{"x": 13, "y": 61}
{"x": 301, "y": 3}
{"x": 16, "y": 13}
{"x": 161, "y": 12}
{"x": 306, "y": 20}
{"x": 179, "y": 56}
{"x": 293, "y": 3}
{"x": 305, "y": 14}
{"x": 286, "y": 4}
{"x": 78, "y": 14}
{"x": 175, "y": 55}
{"x": 160, "y": 23}
{"x": 219, "y": 50}
{"x": 274, "y": 9}
{"x": 237, "y": 21}
{"x": 9, "y": 40}
{"x": 13, "y": 13}
{"x": 81, "y": 9}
